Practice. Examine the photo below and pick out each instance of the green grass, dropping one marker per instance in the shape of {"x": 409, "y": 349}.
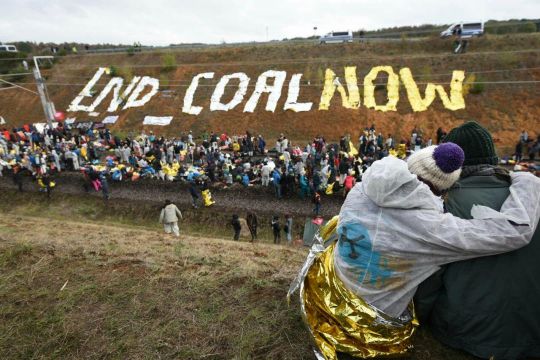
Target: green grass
{"x": 135, "y": 312}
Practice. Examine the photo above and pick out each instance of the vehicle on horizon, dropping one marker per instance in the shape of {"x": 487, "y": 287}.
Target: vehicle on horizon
{"x": 464, "y": 30}
{"x": 8, "y": 48}
{"x": 336, "y": 37}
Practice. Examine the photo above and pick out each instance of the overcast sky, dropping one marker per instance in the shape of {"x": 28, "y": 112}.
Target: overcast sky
{"x": 161, "y": 22}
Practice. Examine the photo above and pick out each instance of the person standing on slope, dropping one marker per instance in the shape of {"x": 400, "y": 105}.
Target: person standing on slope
{"x": 169, "y": 217}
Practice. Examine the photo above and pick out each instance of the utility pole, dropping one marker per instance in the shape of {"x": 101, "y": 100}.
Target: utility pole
{"x": 48, "y": 106}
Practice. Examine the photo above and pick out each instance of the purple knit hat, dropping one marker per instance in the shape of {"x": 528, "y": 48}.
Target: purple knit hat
{"x": 449, "y": 157}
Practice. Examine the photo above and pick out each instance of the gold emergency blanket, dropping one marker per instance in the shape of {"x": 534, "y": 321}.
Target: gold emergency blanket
{"x": 340, "y": 321}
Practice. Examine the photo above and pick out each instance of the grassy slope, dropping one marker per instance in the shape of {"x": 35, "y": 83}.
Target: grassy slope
{"x": 132, "y": 292}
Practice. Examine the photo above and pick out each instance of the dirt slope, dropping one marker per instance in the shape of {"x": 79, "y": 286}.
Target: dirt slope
{"x": 505, "y": 109}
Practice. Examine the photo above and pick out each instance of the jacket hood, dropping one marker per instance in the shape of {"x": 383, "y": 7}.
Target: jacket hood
{"x": 390, "y": 184}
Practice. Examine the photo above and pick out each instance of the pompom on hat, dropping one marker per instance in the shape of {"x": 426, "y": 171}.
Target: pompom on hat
{"x": 440, "y": 165}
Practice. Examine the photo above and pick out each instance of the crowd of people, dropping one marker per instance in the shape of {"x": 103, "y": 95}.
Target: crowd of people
{"x": 291, "y": 170}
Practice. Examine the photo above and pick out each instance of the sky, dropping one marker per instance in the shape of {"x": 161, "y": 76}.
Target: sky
{"x": 163, "y": 22}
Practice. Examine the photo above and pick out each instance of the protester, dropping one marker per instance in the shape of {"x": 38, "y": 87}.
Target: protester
{"x": 252, "y": 223}
{"x": 193, "y": 191}
{"x": 348, "y": 184}
{"x": 169, "y": 217}
{"x": 486, "y": 306}
{"x": 276, "y": 229}
{"x": 46, "y": 184}
{"x": 317, "y": 202}
{"x": 288, "y": 228}
{"x": 18, "y": 177}
{"x": 104, "y": 186}
{"x": 237, "y": 227}
{"x": 276, "y": 181}
{"x": 392, "y": 233}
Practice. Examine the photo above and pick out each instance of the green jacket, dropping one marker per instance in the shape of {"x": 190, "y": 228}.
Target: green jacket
{"x": 487, "y": 306}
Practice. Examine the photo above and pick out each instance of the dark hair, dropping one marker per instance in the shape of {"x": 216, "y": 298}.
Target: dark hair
{"x": 167, "y": 202}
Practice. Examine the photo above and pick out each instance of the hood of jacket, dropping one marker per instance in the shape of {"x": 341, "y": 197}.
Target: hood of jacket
{"x": 390, "y": 184}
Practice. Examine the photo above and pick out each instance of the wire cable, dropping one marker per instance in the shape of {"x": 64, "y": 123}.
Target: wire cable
{"x": 307, "y": 61}
{"x": 21, "y": 87}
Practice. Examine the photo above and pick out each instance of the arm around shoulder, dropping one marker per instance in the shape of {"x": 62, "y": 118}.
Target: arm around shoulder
{"x": 490, "y": 232}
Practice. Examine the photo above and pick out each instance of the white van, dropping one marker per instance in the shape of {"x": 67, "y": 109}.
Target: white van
{"x": 464, "y": 30}
{"x": 7, "y": 48}
{"x": 336, "y": 37}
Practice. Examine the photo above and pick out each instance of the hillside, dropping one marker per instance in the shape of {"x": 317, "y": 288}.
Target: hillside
{"x": 505, "y": 109}
{"x": 77, "y": 289}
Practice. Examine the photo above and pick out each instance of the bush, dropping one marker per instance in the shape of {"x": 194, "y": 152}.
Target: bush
{"x": 6, "y": 66}
{"x": 113, "y": 71}
{"x": 476, "y": 87}
{"x": 527, "y": 27}
{"x": 130, "y": 51}
{"x": 168, "y": 61}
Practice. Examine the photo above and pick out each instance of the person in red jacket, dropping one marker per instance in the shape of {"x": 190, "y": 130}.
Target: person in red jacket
{"x": 348, "y": 184}
{"x": 7, "y": 136}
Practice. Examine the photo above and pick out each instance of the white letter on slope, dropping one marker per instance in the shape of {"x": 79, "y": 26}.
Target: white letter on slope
{"x": 117, "y": 100}
{"x": 145, "y": 81}
{"x": 292, "y": 97}
{"x": 74, "y": 106}
{"x": 188, "y": 99}
{"x": 274, "y": 90}
{"x": 114, "y": 84}
{"x": 215, "y": 102}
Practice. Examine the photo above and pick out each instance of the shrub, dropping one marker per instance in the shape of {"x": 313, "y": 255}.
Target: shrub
{"x": 476, "y": 87}
{"x": 168, "y": 61}
{"x": 113, "y": 71}
{"x": 529, "y": 27}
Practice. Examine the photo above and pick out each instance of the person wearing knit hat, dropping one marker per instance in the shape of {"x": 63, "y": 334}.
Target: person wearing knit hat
{"x": 440, "y": 166}
{"x": 487, "y": 306}
{"x": 476, "y": 142}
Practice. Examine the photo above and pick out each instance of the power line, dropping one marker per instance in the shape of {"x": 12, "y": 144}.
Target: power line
{"x": 11, "y": 75}
{"x": 21, "y": 87}
{"x": 383, "y": 77}
{"x": 312, "y": 60}
{"x": 310, "y": 85}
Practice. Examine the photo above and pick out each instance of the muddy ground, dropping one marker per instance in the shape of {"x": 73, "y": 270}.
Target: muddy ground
{"x": 144, "y": 198}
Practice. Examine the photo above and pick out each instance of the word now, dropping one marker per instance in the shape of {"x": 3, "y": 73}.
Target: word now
{"x": 350, "y": 97}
